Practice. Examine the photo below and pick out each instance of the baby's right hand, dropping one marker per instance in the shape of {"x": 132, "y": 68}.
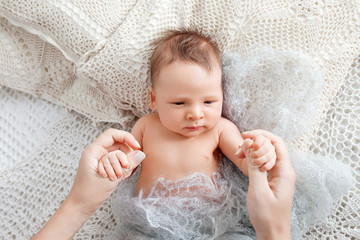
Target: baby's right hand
{"x": 117, "y": 165}
{"x": 260, "y": 152}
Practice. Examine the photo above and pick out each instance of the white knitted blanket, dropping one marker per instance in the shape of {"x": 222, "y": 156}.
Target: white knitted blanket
{"x": 92, "y": 57}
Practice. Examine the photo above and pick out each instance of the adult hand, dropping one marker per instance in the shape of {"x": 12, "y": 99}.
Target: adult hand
{"x": 269, "y": 198}
{"x": 90, "y": 190}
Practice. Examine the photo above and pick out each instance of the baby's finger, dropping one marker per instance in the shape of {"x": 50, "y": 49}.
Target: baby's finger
{"x": 259, "y": 141}
{"x": 244, "y": 150}
{"x": 240, "y": 152}
{"x": 109, "y": 168}
{"x": 101, "y": 169}
{"x": 262, "y": 150}
{"x": 263, "y": 159}
{"x": 115, "y": 163}
{"x": 247, "y": 144}
{"x": 270, "y": 164}
{"x": 123, "y": 159}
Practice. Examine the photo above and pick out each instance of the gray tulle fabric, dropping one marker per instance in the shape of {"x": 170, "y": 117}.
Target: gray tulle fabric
{"x": 276, "y": 91}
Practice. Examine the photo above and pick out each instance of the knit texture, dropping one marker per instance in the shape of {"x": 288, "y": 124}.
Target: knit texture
{"x": 254, "y": 98}
{"x": 93, "y": 58}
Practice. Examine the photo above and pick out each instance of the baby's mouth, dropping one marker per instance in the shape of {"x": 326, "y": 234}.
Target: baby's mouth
{"x": 193, "y": 128}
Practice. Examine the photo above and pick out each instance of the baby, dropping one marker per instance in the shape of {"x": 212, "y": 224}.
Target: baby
{"x": 184, "y": 133}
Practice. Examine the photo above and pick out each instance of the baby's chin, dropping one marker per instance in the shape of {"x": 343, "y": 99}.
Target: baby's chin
{"x": 191, "y": 134}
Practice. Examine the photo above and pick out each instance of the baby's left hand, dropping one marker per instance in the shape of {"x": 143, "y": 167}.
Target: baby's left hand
{"x": 260, "y": 152}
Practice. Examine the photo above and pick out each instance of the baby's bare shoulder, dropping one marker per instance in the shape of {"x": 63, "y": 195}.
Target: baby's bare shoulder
{"x": 148, "y": 120}
{"x": 143, "y": 124}
{"x": 225, "y": 123}
{"x": 227, "y": 127}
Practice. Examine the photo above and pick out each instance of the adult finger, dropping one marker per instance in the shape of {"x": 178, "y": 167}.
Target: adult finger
{"x": 110, "y": 137}
{"x": 260, "y": 132}
{"x": 135, "y": 158}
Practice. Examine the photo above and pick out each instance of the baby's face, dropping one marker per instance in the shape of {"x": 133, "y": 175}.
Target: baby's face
{"x": 187, "y": 98}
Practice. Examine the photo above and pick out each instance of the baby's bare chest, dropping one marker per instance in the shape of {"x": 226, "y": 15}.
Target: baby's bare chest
{"x": 178, "y": 156}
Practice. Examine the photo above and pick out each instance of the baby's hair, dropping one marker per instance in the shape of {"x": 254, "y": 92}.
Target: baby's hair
{"x": 184, "y": 45}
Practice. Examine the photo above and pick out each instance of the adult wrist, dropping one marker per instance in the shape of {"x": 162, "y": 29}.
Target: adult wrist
{"x": 65, "y": 223}
{"x": 81, "y": 208}
{"x": 280, "y": 233}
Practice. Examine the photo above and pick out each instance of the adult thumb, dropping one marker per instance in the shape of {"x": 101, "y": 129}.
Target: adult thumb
{"x": 135, "y": 158}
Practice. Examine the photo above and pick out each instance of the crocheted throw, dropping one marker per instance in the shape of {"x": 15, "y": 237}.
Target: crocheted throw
{"x": 92, "y": 57}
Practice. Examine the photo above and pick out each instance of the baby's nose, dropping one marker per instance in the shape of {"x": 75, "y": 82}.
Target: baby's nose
{"x": 195, "y": 114}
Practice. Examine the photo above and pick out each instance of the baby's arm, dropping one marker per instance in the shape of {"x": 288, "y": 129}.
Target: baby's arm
{"x": 229, "y": 143}
{"x": 115, "y": 164}
{"x": 259, "y": 149}
{"x": 138, "y": 129}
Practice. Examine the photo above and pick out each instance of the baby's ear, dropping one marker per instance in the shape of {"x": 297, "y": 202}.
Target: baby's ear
{"x": 152, "y": 98}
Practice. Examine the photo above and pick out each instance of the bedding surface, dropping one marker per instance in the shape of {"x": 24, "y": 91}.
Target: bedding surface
{"x": 70, "y": 69}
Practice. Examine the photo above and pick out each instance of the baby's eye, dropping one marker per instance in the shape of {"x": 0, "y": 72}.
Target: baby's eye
{"x": 178, "y": 103}
{"x": 208, "y": 102}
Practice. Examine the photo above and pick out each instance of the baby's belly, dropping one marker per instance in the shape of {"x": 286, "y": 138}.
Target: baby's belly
{"x": 177, "y": 187}
{"x": 215, "y": 207}
{"x": 153, "y": 179}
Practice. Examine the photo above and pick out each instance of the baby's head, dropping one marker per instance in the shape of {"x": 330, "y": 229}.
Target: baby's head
{"x": 186, "y": 86}
{"x": 185, "y": 46}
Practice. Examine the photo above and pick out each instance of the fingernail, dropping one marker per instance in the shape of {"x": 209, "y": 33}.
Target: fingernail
{"x": 238, "y": 151}
{"x": 138, "y": 144}
{"x": 139, "y": 156}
